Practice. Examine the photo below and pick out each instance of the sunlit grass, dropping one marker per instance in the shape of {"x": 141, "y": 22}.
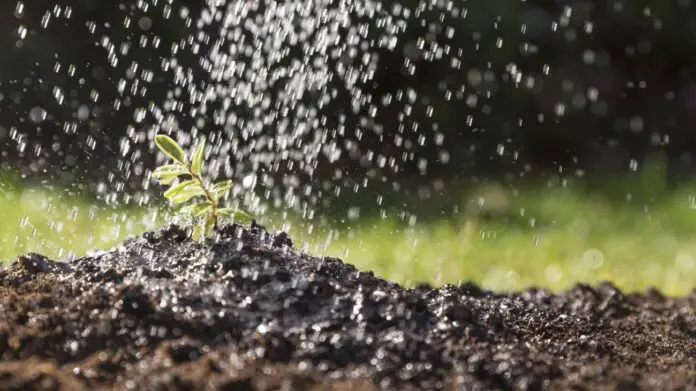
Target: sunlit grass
{"x": 550, "y": 238}
{"x": 60, "y": 225}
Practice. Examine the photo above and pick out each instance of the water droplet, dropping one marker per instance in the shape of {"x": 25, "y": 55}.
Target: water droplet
{"x": 633, "y": 165}
{"x": 37, "y": 114}
{"x": 19, "y": 10}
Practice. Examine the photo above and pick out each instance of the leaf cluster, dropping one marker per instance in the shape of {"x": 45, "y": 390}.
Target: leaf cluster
{"x": 203, "y": 200}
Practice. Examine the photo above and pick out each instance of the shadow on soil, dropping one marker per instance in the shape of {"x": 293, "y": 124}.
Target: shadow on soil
{"x": 249, "y": 312}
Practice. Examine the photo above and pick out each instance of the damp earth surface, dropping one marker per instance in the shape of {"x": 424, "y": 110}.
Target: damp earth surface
{"x": 249, "y": 312}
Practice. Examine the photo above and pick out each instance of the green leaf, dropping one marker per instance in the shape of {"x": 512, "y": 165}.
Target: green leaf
{"x": 170, "y": 148}
{"x": 197, "y": 233}
{"x": 199, "y": 209}
{"x": 197, "y": 159}
{"x": 195, "y": 210}
{"x": 167, "y": 173}
{"x": 209, "y": 224}
{"x": 184, "y": 191}
{"x": 166, "y": 179}
{"x": 186, "y": 194}
{"x": 180, "y": 187}
{"x": 221, "y": 188}
{"x": 234, "y": 213}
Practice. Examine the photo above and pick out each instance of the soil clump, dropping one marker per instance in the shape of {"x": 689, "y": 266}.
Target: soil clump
{"x": 250, "y": 312}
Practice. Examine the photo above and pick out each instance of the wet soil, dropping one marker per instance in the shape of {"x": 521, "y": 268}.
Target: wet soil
{"x": 249, "y": 312}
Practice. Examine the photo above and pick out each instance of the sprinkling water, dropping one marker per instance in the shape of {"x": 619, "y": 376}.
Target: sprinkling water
{"x": 294, "y": 96}
{"x": 338, "y": 114}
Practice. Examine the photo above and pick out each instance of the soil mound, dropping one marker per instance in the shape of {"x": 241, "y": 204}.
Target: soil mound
{"x": 249, "y": 312}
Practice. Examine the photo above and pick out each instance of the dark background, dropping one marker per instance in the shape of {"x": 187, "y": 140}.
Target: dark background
{"x": 619, "y": 87}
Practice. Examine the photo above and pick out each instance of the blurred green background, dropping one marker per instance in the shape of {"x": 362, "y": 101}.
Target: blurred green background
{"x": 634, "y": 231}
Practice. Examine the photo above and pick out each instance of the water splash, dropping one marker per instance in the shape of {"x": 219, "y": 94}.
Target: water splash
{"x": 302, "y": 102}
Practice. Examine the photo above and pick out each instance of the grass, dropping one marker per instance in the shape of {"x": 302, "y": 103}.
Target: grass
{"x": 550, "y": 237}
{"x": 61, "y": 225}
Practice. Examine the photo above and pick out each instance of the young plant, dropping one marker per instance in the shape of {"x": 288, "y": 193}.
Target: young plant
{"x": 205, "y": 208}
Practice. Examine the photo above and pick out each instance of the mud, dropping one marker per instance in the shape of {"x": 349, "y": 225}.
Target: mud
{"x": 249, "y": 312}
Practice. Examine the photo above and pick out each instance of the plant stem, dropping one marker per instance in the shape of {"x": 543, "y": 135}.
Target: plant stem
{"x": 207, "y": 195}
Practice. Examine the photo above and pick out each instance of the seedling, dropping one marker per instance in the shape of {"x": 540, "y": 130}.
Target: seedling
{"x": 204, "y": 207}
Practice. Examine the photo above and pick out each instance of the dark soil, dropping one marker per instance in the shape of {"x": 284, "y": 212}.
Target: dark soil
{"x": 250, "y": 313}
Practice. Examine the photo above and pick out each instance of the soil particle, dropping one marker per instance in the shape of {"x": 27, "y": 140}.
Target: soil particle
{"x": 249, "y": 312}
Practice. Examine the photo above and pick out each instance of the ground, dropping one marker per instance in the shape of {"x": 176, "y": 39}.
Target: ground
{"x": 250, "y": 312}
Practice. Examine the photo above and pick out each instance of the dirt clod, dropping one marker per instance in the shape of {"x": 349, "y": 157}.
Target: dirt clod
{"x": 249, "y": 312}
